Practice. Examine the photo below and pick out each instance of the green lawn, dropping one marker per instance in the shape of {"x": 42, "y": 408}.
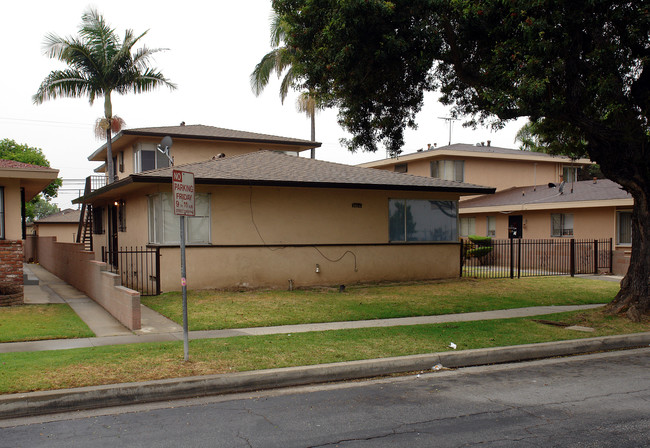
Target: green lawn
{"x": 210, "y": 309}
{"x": 37, "y": 322}
{"x": 30, "y": 371}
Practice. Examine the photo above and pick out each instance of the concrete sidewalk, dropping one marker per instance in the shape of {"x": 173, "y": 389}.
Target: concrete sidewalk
{"x": 45, "y": 287}
{"x": 13, "y": 406}
{"x": 157, "y": 328}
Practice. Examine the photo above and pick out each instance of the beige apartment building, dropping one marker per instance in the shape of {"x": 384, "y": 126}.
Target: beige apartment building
{"x": 530, "y": 201}
{"x": 267, "y": 218}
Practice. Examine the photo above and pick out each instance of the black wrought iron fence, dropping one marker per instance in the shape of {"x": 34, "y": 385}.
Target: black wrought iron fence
{"x": 528, "y": 258}
{"x": 139, "y": 268}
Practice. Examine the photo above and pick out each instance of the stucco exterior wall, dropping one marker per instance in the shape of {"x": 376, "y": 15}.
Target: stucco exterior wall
{"x": 64, "y": 233}
{"x": 188, "y": 151}
{"x": 12, "y": 204}
{"x": 251, "y": 267}
{"x": 264, "y": 236}
{"x": 498, "y": 173}
{"x": 587, "y": 223}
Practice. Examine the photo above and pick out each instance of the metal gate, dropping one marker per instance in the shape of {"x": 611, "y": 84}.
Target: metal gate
{"x": 489, "y": 258}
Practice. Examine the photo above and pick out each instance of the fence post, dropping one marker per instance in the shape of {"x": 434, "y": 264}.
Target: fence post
{"x": 512, "y": 259}
{"x": 518, "y": 257}
{"x": 596, "y": 257}
{"x": 157, "y": 271}
{"x": 572, "y": 254}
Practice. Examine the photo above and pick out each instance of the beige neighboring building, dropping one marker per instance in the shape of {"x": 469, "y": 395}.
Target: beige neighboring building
{"x": 19, "y": 182}
{"x": 501, "y": 168}
{"x": 595, "y": 209}
{"x": 267, "y": 219}
{"x": 62, "y": 225}
{"x": 134, "y": 150}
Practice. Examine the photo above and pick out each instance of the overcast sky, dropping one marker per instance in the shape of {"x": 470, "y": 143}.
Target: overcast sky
{"x": 213, "y": 47}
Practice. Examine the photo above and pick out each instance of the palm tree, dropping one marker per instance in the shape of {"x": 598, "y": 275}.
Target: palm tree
{"x": 280, "y": 60}
{"x": 98, "y": 65}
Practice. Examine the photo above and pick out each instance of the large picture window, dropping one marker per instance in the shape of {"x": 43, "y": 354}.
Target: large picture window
{"x": 164, "y": 226}
{"x": 448, "y": 170}
{"x": 422, "y": 220}
{"x": 561, "y": 224}
{"x": 146, "y": 157}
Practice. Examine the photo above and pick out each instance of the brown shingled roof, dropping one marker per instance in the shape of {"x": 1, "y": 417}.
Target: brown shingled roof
{"x": 13, "y": 164}
{"x": 544, "y": 194}
{"x": 215, "y": 133}
{"x": 202, "y": 132}
{"x": 66, "y": 216}
{"x": 270, "y": 168}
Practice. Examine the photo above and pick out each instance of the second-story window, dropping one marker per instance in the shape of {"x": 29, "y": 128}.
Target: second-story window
{"x": 570, "y": 173}
{"x": 448, "y": 170}
{"x": 401, "y": 168}
{"x": 146, "y": 157}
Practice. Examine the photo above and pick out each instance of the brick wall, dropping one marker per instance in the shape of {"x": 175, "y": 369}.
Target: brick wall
{"x": 621, "y": 260}
{"x": 11, "y": 272}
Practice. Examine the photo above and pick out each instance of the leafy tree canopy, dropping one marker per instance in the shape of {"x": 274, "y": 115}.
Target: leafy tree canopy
{"x": 10, "y": 150}
{"x": 39, "y": 208}
{"x": 579, "y": 68}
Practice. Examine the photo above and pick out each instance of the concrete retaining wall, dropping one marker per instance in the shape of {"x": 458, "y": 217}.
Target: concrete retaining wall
{"x": 76, "y": 266}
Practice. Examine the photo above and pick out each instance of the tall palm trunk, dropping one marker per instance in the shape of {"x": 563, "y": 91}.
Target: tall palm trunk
{"x": 108, "y": 113}
{"x": 109, "y": 157}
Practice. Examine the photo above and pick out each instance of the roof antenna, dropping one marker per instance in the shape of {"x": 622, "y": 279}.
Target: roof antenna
{"x": 449, "y": 120}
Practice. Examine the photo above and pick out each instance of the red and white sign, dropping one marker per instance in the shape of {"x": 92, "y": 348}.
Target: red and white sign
{"x": 183, "y": 190}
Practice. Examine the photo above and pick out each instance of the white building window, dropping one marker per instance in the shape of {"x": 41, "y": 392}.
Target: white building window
{"x": 624, "y": 228}
{"x": 164, "y": 226}
{"x": 467, "y": 226}
{"x": 491, "y": 226}
{"x": 448, "y": 170}
{"x": 422, "y": 220}
{"x": 146, "y": 157}
{"x": 561, "y": 224}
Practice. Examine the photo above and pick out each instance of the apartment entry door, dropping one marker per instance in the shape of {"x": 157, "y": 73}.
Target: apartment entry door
{"x": 112, "y": 235}
{"x": 515, "y": 226}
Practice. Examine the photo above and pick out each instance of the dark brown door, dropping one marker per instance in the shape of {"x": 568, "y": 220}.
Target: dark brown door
{"x": 112, "y": 235}
{"x": 515, "y": 226}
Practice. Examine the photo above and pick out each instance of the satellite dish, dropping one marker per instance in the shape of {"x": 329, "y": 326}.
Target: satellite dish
{"x": 166, "y": 142}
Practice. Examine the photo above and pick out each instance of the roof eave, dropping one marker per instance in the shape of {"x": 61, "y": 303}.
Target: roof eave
{"x": 134, "y": 178}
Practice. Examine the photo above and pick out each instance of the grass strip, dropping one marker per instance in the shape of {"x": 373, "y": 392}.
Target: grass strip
{"x": 30, "y": 371}
{"x": 213, "y": 310}
{"x": 38, "y": 322}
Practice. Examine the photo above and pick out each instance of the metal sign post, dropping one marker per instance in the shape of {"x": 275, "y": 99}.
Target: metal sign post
{"x": 183, "y": 191}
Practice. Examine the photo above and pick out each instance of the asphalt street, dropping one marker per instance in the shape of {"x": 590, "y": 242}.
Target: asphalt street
{"x": 596, "y": 400}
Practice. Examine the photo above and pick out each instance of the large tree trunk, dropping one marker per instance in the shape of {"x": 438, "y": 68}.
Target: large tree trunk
{"x": 634, "y": 296}
{"x": 109, "y": 157}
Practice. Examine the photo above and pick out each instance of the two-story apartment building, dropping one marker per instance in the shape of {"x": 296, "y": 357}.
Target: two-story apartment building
{"x": 500, "y": 168}
{"x": 266, "y": 218}
{"x": 531, "y": 201}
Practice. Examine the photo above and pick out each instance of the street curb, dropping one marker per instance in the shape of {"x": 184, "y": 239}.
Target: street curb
{"x": 84, "y": 398}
